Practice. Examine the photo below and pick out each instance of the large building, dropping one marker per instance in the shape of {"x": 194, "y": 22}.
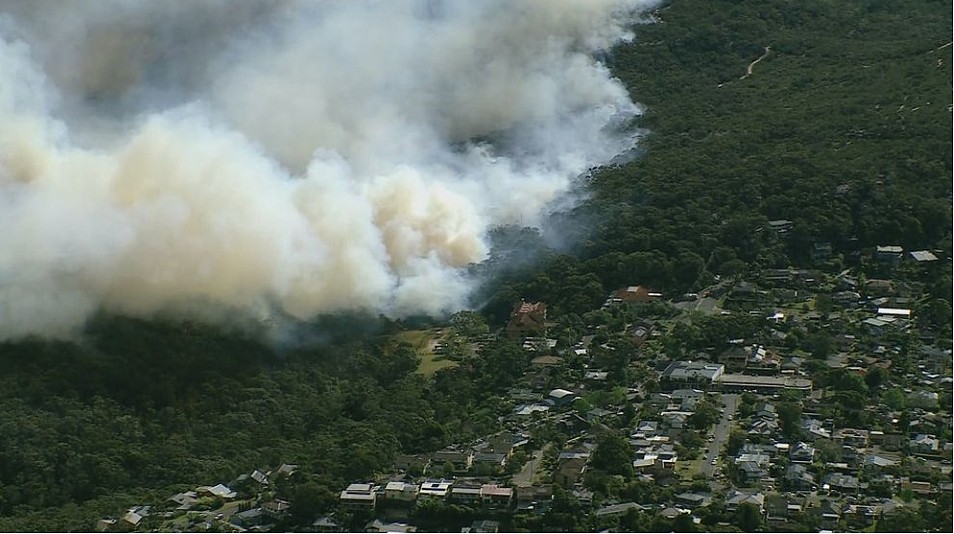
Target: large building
{"x": 762, "y": 384}
{"x": 681, "y": 374}
{"x": 527, "y": 319}
{"x": 359, "y": 497}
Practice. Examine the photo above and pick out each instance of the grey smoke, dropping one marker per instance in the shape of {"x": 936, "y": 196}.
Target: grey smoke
{"x": 285, "y": 157}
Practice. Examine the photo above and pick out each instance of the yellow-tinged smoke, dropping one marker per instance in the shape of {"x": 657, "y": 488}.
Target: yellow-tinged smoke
{"x": 298, "y": 158}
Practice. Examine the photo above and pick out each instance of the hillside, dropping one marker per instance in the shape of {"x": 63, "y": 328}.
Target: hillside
{"x": 833, "y": 115}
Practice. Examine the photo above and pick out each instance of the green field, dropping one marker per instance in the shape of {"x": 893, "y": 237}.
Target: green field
{"x": 422, "y": 340}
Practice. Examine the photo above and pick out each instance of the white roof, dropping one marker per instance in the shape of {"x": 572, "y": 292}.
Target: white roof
{"x": 923, "y": 255}
{"x": 901, "y": 312}
{"x": 221, "y": 490}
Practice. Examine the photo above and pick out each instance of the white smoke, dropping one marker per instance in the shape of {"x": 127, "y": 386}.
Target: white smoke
{"x": 287, "y": 157}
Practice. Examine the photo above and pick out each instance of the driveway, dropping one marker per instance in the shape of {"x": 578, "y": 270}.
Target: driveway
{"x": 525, "y": 476}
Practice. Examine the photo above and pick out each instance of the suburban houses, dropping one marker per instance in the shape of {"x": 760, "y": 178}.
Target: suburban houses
{"x": 829, "y": 408}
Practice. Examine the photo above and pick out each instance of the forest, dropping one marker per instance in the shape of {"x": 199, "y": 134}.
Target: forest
{"x": 843, "y": 128}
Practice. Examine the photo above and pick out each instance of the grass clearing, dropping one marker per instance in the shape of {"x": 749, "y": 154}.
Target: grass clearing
{"x": 423, "y": 342}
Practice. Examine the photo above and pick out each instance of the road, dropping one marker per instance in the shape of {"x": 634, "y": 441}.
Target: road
{"x": 720, "y": 434}
{"x": 748, "y": 70}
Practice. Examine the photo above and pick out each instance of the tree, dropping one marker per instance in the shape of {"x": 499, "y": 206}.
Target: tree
{"x": 683, "y": 523}
{"x": 735, "y": 442}
{"x": 790, "y": 418}
{"x": 469, "y": 324}
{"x": 613, "y": 455}
{"x": 875, "y": 377}
{"x": 902, "y": 520}
{"x": 748, "y": 517}
{"x": 894, "y": 399}
{"x": 310, "y": 499}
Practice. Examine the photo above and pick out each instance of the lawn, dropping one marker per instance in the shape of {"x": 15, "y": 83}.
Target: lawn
{"x": 423, "y": 342}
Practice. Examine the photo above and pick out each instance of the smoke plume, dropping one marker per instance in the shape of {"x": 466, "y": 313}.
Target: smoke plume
{"x": 283, "y": 157}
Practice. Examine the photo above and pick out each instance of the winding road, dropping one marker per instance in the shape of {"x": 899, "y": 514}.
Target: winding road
{"x": 748, "y": 70}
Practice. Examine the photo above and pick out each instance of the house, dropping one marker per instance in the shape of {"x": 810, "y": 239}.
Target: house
{"x": 106, "y": 524}
{"x": 781, "y": 226}
{"x": 630, "y": 295}
{"x": 736, "y": 498}
{"x": 435, "y": 489}
{"x": 358, "y": 496}
{"x": 220, "y": 491}
{"x": 186, "y": 500}
{"x": 131, "y": 520}
{"x": 326, "y": 524}
{"x": 675, "y": 419}
{"x": 751, "y": 472}
{"x": 687, "y": 398}
{"x": 821, "y": 251}
{"x": 815, "y": 429}
{"x": 843, "y": 483}
{"x": 924, "y": 444}
{"x": 398, "y": 492}
{"x": 527, "y": 319}
{"x": 639, "y": 333}
{"x": 585, "y": 497}
{"x": 485, "y": 526}
{"x": 758, "y": 452}
{"x": 561, "y": 397}
{"x": 571, "y": 423}
{"x": 570, "y": 472}
{"x": 860, "y": 515}
{"x": 379, "y": 526}
{"x": 874, "y": 464}
{"x": 890, "y": 254}
{"x": 802, "y": 453}
{"x": 408, "y": 462}
{"x": 764, "y": 427}
{"x": 780, "y": 508}
{"x": 691, "y": 500}
{"x": 488, "y": 462}
{"x": 494, "y": 496}
{"x": 923, "y": 256}
{"x": 851, "y": 436}
{"x": 829, "y": 513}
{"x": 464, "y": 493}
{"x": 918, "y": 486}
{"x": 526, "y": 410}
{"x": 276, "y": 508}
{"x": 646, "y": 429}
{"x": 595, "y": 376}
{"x": 534, "y": 498}
{"x": 618, "y": 509}
{"x": 460, "y": 460}
{"x": 508, "y": 442}
{"x": 546, "y": 361}
{"x": 286, "y": 470}
{"x": 248, "y": 518}
{"x": 799, "y": 478}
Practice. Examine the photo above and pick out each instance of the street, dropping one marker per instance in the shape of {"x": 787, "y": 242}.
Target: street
{"x": 720, "y": 434}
